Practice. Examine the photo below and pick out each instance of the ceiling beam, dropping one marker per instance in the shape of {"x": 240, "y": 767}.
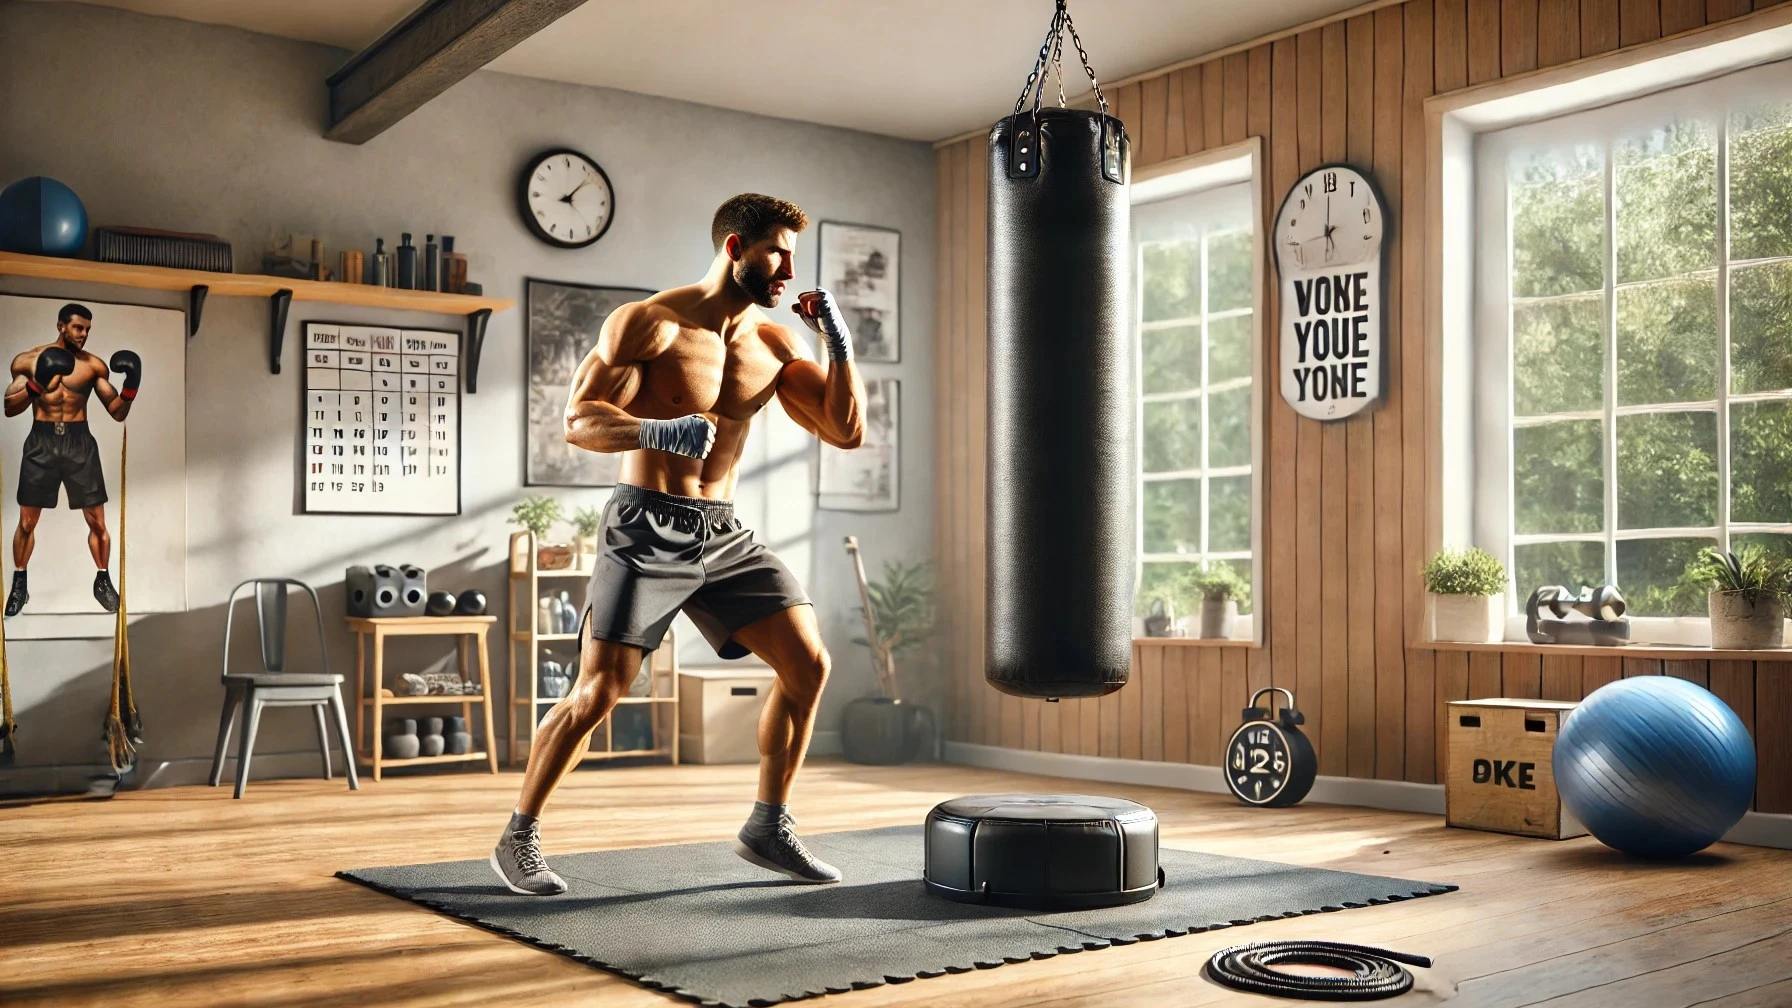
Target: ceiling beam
{"x": 432, "y": 49}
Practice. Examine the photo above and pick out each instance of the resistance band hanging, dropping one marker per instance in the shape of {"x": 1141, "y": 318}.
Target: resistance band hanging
{"x": 123, "y": 726}
{"x": 1061, "y": 376}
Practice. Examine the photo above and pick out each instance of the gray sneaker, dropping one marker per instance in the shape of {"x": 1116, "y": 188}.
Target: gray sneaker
{"x": 517, "y": 860}
{"x": 782, "y": 852}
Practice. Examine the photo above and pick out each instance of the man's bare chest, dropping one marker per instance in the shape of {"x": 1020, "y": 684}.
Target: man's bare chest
{"x": 697, "y": 373}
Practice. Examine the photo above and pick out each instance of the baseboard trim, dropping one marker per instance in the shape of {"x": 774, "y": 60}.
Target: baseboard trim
{"x": 1759, "y": 829}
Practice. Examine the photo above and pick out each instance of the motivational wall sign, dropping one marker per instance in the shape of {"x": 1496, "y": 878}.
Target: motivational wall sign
{"x": 1329, "y": 240}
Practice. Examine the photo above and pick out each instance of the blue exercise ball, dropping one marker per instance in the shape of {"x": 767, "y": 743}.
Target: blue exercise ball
{"x": 43, "y": 217}
{"x": 1655, "y": 766}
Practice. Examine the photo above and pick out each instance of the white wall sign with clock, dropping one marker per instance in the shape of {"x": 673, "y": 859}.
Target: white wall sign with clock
{"x": 565, "y": 198}
{"x": 1330, "y": 256}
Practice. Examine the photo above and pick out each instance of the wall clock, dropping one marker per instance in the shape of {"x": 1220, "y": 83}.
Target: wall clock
{"x": 565, "y": 198}
{"x": 1330, "y": 255}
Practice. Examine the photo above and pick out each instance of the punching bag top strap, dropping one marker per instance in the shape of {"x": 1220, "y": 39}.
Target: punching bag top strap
{"x": 1024, "y": 139}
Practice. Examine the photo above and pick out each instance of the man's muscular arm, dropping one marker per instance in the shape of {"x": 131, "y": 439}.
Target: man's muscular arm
{"x": 827, "y": 404}
{"x": 607, "y": 380}
{"x": 18, "y": 393}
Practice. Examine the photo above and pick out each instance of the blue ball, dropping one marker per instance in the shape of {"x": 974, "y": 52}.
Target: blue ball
{"x": 1655, "y": 766}
{"x": 43, "y": 217}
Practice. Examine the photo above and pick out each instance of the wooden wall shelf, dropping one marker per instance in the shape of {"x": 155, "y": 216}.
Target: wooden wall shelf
{"x": 280, "y": 292}
{"x": 1670, "y": 652}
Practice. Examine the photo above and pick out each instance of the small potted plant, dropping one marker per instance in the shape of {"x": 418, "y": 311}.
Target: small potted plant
{"x": 586, "y": 522}
{"x": 1468, "y": 590}
{"x": 1158, "y": 604}
{"x": 887, "y": 728}
{"x": 538, "y": 515}
{"x": 1747, "y": 595}
{"x": 1221, "y": 589}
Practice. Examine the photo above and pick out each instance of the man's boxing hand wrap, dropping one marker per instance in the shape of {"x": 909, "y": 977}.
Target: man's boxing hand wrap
{"x": 818, "y": 310}
{"x": 688, "y": 435}
{"x": 51, "y": 361}
{"x": 127, "y": 363}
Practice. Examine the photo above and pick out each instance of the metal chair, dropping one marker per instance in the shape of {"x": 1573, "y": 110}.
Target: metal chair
{"x": 274, "y": 686}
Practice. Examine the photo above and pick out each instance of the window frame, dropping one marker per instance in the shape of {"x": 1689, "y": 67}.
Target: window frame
{"x": 1711, "y": 100}
{"x": 1213, "y": 171}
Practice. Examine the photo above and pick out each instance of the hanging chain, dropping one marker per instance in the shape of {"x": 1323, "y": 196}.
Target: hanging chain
{"x": 1051, "y": 57}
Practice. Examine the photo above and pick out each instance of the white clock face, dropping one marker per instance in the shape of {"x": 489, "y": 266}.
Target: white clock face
{"x": 567, "y": 199}
{"x": 1331, "y": 218}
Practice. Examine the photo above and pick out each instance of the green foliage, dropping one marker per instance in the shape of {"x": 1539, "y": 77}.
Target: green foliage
{"x": 1749, "y": 569}
{"x": 587, "y": 520}
{"x": 537, "y": 514}
{"x": 1471, "y": 571}
{"x": 1184, "y": 584}
{"x": 1219, "y": 583}
{"x": 903, "y": 603}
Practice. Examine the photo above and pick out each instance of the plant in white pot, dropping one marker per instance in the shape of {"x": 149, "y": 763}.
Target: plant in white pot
{"x": 1468, "y": 591}
{"x": 1747, "y": 596}
{"x": 1221, "y": 589}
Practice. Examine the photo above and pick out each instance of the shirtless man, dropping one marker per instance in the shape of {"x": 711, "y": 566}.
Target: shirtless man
{"x": 55, "y": 380}
{"x": 673, "y": 383}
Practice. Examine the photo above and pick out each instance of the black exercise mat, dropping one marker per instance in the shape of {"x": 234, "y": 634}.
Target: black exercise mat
{"x": 697, "y": 921}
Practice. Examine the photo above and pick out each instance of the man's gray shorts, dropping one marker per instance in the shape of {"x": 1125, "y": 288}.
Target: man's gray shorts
{"x": 661, "y": 553}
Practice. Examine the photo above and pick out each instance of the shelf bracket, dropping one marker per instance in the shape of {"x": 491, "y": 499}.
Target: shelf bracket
{"x": 195, "y": 308}
{"x": 475, "y": 342}
{"x": 279, "y": 302}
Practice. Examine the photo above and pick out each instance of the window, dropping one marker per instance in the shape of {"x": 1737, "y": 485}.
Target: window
{"x": 1196, "y": 269}
{"x": 1634, "y": 342}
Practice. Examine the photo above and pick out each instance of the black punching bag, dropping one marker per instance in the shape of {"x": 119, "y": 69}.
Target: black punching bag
{"x": 1061, "y": 453}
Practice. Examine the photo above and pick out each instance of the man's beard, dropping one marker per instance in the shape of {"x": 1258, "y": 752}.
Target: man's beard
{"x": 757, "y": 285}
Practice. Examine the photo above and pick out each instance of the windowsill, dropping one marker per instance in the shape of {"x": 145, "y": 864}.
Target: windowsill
{"x": 1196, "y": 642}
{"x": 1667, "y": 651}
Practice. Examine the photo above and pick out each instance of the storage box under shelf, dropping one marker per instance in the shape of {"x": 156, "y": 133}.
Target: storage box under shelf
{"x": 1500, "y": 774}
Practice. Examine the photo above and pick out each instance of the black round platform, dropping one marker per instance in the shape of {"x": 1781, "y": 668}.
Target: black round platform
{"x": 1042, "y": 851}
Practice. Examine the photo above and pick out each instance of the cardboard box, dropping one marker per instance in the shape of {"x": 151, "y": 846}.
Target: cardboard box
{"x": 718, "y": 713}
{"x": 1500, "y": 776}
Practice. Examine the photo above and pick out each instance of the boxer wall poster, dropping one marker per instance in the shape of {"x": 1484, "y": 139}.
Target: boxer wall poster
{"x": 60, "y": 452}
{"x": 382, "y": 420}
{"x": 1330, "y": 241}
{"x": 868, "y": 478}
{"x": 564, "y": 320}
{"x": 861, "y": 267}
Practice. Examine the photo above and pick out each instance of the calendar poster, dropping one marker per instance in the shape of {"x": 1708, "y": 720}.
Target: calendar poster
{"x": 382, "y": 420}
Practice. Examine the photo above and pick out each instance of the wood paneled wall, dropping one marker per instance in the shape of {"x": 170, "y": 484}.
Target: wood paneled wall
{"x": 1342, "y": 593}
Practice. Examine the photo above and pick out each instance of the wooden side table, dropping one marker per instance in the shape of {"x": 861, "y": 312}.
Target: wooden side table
{"x": 471, "y": 631}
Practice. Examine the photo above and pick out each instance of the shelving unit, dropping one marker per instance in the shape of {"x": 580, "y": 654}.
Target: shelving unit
{"x": 280, "y": 292}
{"x": 371, "y": 634}
{"x": 527, "y": 645}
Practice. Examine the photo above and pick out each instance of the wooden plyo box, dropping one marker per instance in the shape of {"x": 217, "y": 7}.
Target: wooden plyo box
{"x": 718, "y": 712}
{"x": 1500, "y": 775}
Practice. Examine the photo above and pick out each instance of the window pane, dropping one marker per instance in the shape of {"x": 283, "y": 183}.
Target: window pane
{"x": 1229, "y": 420}
{"x": 1569, "y": 564}
{"x": 1558, "y": 355}
{"x": 1667, "y": 470}
{"x": 1229, "y": 348}
{"x": 1761, "y": 462}
{"x": 1773, "y": 542}
{"x": 1167, "y": 578}
{"x": 1229, "y": 517}
{"x": 1558, "y": 477}
{"x": 1172, "y": 280}
{"x": 1760, "y": 186}
{"x": 1228, "y": 270}
{"x": 1172, "y": 359}
{"x": 1652, "y": 576}
{"x": 1667, "y": 342}
{"x": 1243, "y": 567}
{"x": 1558, "y": 222}
{"x": 1667, "y": 202}
{"x": 1173, "y": 435}
{"x": 1761, "y": 328}
{"x": 1173, "y": 516}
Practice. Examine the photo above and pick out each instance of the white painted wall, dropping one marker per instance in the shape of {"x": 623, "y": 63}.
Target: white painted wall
{"x": 169, "y": 124}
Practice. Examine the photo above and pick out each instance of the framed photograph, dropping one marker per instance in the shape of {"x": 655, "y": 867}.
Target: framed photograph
{"x": 563, "y": 322}
{"x": 866, "y": 478}
{"x": 861, "y": 266}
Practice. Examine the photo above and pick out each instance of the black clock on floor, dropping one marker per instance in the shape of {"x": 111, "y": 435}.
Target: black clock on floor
{"x": 1269, "y": 762}
{"x": 565, "y": 198}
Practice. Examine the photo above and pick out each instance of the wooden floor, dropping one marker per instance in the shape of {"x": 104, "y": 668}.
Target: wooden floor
{"x": 182, "y": 896}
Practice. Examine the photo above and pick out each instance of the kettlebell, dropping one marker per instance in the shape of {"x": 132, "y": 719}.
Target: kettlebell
{"x": 1269, "y": 761}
